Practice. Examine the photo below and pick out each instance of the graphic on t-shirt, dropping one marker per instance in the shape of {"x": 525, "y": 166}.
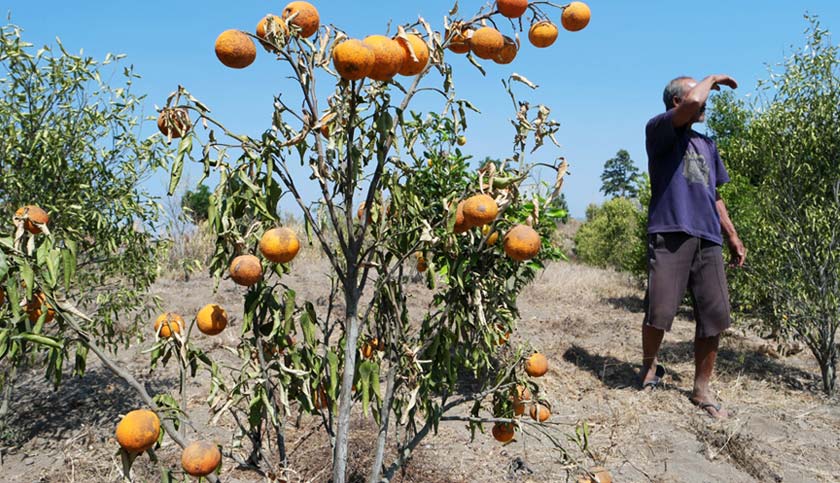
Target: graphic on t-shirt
{"x": 695, "y": 168}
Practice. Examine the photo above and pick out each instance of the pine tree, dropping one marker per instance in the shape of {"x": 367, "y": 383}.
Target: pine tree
{"x": 619, "y": 176}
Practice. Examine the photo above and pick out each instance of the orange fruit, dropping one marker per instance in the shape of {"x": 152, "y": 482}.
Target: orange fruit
{"x": 168, "y": 323}
{"x": 353, "y": 59}
{"x": 492, "y": 239}
{"x": 462, "y": 140}
{"x": 520, "y": 398}
{"x": 522, "y": 243}
{"x": 508, "y": 52}
{"x": 460, "y": 41}
{"x": 246, "y": 270}
{"x": 575, "y": 16}
{"x": 211, "y": 319}
{"x": 411, "y": 67}
{"x": 503, "y": 432}
{"x": 542, "y": 34}
{"x": 480, "y": 210}
{"x": 35, "y": 308}
{"x": 540, "y": 412}
{"x": 174, "y": 122}
{"x": 280, "y": 245}
{"x": 235, "y": 49}
{"x": 138, "y": 430}
{"x": 461, "y": 224}
{"x": 200, "y": 458}
{"x": 307, "y": 18}
{"x": 265, "y": 34}
{"x": 512, "y": 8}
{"x": 422, "y": 265}
{"x": 33, "y": 214}
{"x": 367, "y": 350}
{"x": 536, "y": 365}
{"x": 486, "y": 42}
{"x": 389, "y": 56}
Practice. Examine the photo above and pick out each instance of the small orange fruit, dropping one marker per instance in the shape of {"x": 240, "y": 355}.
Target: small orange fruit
{"x": 512, "y": 8}
{"x": 367, "y": 350}
{"x": 536, "y": 365}
{"x": 35, "y": 308}
{"x": 307, "y": 18}
{"x": 461, "y": 224}
{"x": 480, "y": 209}
{"x": 422, "y": 265}
{"x": 389, "y": 56}
{"x": 266, "y": 34}
{"x": 411, "y": 67}
{"x": 138, "y": 430}
{"x": 522, "y": 243}
{"x": 353, "y": 59}
{"x": 211, "y": 319}
{"x": 542, "y": 34}
{"x": 33, "y": 214}
{"x": 540, "y": 412}
{"x": 168, "y": 323}
{"x": 462, "y": 140}
{"x": 246, "y": 270}
{"x": 575, "y": 16}
{"x": 235, "y": 49}
{"x": 174, "y": 122}
{"x": 280, "y": 245}
{"x": 520, "y": 398}
{"x": 508, "y": 52}
{"x": 486, "y": 42}
{"x": 460, "y": 41}
{"x": 503, "y": 432}
{"x": 200, "y": 458}
{"x": 492, "y": 239}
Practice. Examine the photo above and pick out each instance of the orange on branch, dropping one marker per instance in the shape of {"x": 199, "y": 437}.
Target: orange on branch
{"x": 542, "y": 34}
{"x": 389, "y": 56}
{"x": 422, "y": 264}
{"x": 536, "y": 365}
{"x": 168, "y": 323}
{"x": 486, "y": 42}
{"x": 280, "y": 245}
{"x": 138, "y": 430}
{"x": 246, "y": 270}
{"x": 575, "y": 16}
{"x": 540, "y": 412}
{"x": 507, "y": 53}
{"x": 200, "y": 458}
{"x": 512, "y": 8}
{"x": 522, "y": 243}
{"x": 265, "y": 34}
{"x": 461, "y": 224}
{"x": 480, "y": 209}
{"x": 35, "y": 308}
{"x": 353, "y": 59}
{"x": 211, "y": 319}
{"x": 32, "y": 215}
{"x": 460, "y": 41}
{"x": 411, "y": 67}
{"x": 306, "y": 17}
{"x": 174, "y": 122}
{"x": 503, "y": 432}
{"x": 521, "y": 396}
{"x": 235, "y": 49}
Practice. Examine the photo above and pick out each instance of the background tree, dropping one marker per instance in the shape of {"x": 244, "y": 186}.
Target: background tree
{"x": 620, "y": 176}
{"x": 782, "y": 150}
{"x": 196, "y": 203}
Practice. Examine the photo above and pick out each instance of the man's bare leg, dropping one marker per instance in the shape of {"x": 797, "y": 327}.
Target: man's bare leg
{"x": 705, "y": 354}
{"x": 651, "y": 340}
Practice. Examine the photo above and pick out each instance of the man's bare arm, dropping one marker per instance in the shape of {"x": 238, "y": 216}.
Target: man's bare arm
{"x": 691, "y": 103}
{"x": 736, "y": 247}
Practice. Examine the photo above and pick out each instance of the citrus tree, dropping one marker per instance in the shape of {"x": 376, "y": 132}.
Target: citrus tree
{"x": 71, "y": 154}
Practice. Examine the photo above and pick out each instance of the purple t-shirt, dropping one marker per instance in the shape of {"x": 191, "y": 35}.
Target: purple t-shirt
{"x": 685, "y": 171}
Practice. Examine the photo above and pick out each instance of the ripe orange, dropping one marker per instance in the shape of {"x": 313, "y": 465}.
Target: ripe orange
{"x": 246, "y": 270}
{"x": 486, "y": 42}
{"x": 264, "y": 33}
{"x": 367, "y": 350}
{"x": 138, "y": 430}
{"x": 389, "y": 56}
{"x": 200, "y": 458}
{"x": 520, "y": 398}
{"x": 542, "y": 34}
{"x": 422, "y": 265}
{"x": 522, "y": 243}
{"x": 411, "y": 67}
{"x": 353, "y": 59}
{"x": 540, "y": 412}
{"x": 35, "y": 308}
{"x": 492, "y": 239}
{"x": 235, "y": 49}
{"x": 280, "y": 245}
{"x": 480, "y": 209}
{"x": 508, "y": 52}
{"x": 174, "y": 122}
{"x": 211, "y": 319}
{"x": 168, "y": 323}
{"x": 461, "y": 224}
{"x": 503, "y": 432}
{"x": 33, "y": 214}
{"x": 536, "y": 365}
{"x": 575, "y": 16}
{"x": 460, "y": 41}
{"x": 512, "y": 8}
{"x": 307, "y": 18}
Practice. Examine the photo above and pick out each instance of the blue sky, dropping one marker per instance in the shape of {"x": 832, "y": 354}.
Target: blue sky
{"x": 602, "y": 83}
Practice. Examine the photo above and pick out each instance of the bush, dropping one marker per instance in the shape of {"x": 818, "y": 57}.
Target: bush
{"x": 610, "y": 236}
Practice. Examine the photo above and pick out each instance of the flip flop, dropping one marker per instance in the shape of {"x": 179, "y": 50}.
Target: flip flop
{"x": 704, "y": 406}
{"x": 654, "y": 383}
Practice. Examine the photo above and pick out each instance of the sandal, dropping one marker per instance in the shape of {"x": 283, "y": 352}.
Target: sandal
{"x": 654, "y": 383}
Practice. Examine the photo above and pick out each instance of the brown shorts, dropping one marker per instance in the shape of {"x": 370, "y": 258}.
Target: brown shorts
{"x": 677, "y": 261}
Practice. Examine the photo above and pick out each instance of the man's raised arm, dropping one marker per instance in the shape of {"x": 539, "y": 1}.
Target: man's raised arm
{"x": 687, "y": 108}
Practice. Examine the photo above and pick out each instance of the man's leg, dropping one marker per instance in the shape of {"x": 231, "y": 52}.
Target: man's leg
{"x": 651, "y": 340}
{"x": 705, "y": 354}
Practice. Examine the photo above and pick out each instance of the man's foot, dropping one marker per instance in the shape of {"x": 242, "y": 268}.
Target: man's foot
{"x": 707, "y": 403}
{"x": 652, "y": 377}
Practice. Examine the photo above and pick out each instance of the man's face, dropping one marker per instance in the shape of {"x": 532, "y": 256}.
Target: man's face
{"x": 687, "y": 85}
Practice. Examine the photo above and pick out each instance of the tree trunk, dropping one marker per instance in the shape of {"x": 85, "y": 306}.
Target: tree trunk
{"x": 351, "y": 324}
{"x": 828, "y": 367}
{"x": 376, "y": 470}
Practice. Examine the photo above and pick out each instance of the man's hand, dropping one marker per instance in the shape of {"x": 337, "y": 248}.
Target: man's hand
{"x": 737, "y": 252}
{"x": 724, "y": 80}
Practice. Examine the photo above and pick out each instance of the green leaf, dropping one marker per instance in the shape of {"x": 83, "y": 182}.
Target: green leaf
{"x": 40, "y": 339}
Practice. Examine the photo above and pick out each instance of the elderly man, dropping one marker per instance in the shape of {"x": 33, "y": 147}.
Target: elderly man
{"x": 685, "y": 222}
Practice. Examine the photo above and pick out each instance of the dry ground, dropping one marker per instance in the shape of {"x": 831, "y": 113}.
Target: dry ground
{"x": 585, "y": 320}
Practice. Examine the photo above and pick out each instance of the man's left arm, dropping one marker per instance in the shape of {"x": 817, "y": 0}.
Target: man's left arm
{"x": 736, "y": 246}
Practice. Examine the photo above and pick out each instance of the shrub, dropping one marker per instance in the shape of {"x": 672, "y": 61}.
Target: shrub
{"x": 610, "y": 236}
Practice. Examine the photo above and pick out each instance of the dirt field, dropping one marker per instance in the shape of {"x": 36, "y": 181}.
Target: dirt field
{"x": 585, "y": 320}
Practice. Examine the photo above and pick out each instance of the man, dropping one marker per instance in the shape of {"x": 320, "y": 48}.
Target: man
{"x": 686, "y": 219}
